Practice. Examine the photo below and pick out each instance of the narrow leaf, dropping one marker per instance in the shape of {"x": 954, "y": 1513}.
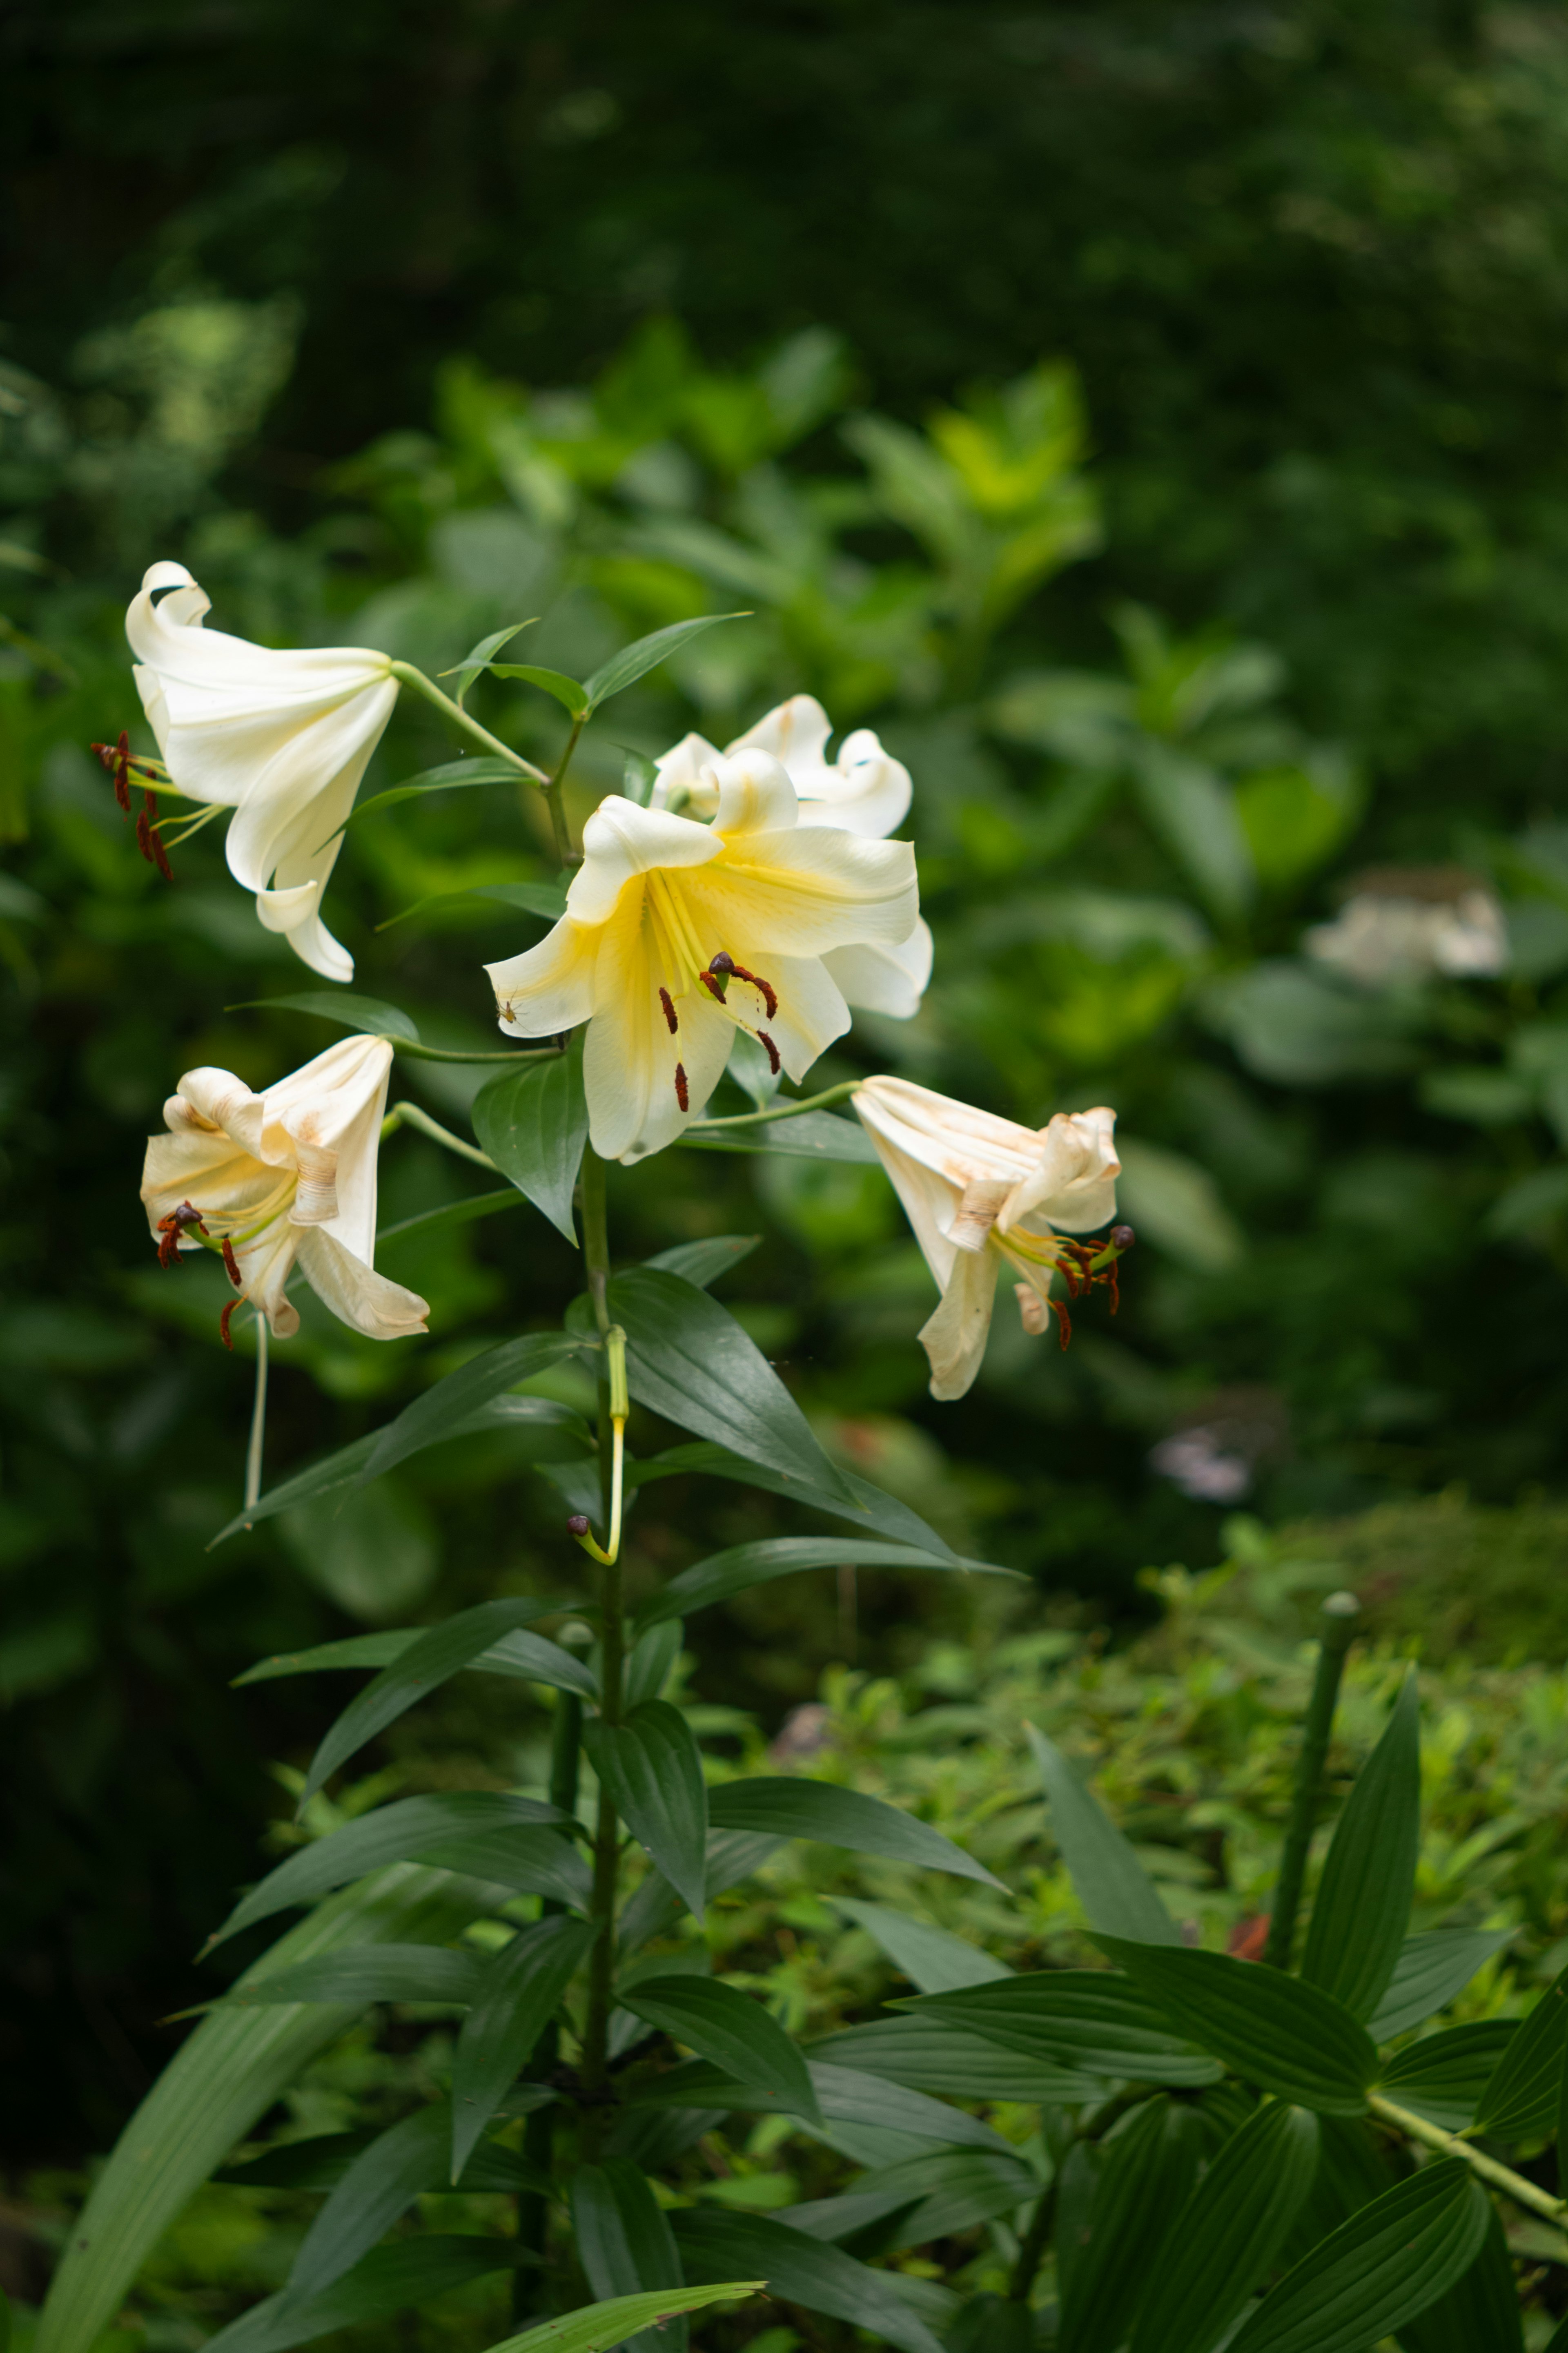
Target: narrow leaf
{"x": 456, "y": 775}
{"x": 366, "y": 1013}
{"x": 799, "y": 2270}
{"x": 1363, "y": 1905}
{"x": 652, "y": 1768}
{"x": 944, "y": 2191}
{"x": 688, "y": 1359}
{"x": 568, "y": 691}
{"x": 1146, "y": 2171}
{"x": 534, "y": 1123}
{"x": 1444, "y": 2077}
{"x": 443, "y": 1409}
{"x": 1430, "y": 1970}
{"x": 651, "y": 1663}
{"x": 381, "y": 2184}
{"x": 933, "y": 2054}
{"x": 635, "y": 661}
{"x": 933, "y": 1959}
{"x": 844, "y": 2096}
{"x": 366, "y": 1973}
{"x": 1522, "y": 2097}
{"x": 524, "y": 1985}
{"x": 526, "y": 1657}
{"x": 474, "y": 660}
{"x": 1286, "y": 2037}
{"x": 400, "y": 2278}
{"x": 861, "y": 1502}
{"x": 318, "y": 2163}
{"x": 732, "y": 2028}
{"x": 1231, "y": 2232}
{"x": 787, "y": 1808}
{"x": 813, "y": 1136}
{"x": 725, "y": 1574}
{"x": 1480, "y": 2313}
{"x": 1088, "y": 2021}
{"x": 601, "y": 2325}
{"x": 703, "y": 1263}
{"x": 544, "y": 899}
{"x": 1378, "y": 2270}
{"x": 624, "y": 2242}
{"x": 1108, "y": 1878}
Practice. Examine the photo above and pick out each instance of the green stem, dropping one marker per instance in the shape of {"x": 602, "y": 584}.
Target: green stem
{"x": 491, "y": 1054}
{"x": 612, "y": 1653}
{"x": 779, "y": 1111}
{"x": 1502, "y": 2177}
{"x": 1035, "y": 2241}
{"x": 459, "y": 718}
{"x": 1339, "y": 1612}
{"x": 528, "y": 2289}
{"x": 408, "y": 1114}
{"x": 558, "y": 825}
{"x": 257, "y": 1420}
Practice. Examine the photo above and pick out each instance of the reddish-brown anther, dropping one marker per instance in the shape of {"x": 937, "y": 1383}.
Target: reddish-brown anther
{"x": 666, "y": 1000}
{"x": 116, "y": 758}
{"x": 224, "y": 1334}
{"x": 682, "y": 1093}
{"x": 186, "y": 1220}
{"x": 774, "y": 1063}
{"x": 1064, "y": 1326}
{"x": 232, "y": 1264}
{"x": 769, "y": 993}
{"x": 148, "y": 839}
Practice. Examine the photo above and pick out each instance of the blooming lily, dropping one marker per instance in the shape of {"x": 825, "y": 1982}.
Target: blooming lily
{"x": 281, "y": 738}
{"x": 980, "y": 1192}
{"x": 864, "y": 791}
{"x": 289, "y": 1175}
{"x": 677, "y": 934}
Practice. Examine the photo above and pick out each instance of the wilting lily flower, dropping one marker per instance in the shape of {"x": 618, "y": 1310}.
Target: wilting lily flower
{"x": 981, "y": 1191}
{"x": 288, "y": 1174}
{"x": 864, "y": 791}
{"x": 281, "y": 738}
{"x": 677, "y": 934}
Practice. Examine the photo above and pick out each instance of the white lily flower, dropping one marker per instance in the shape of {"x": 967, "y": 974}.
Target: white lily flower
{"x": 677, "y": 934}
{"x": 981, "y": 1192}
{"x": 282, "y": 738}
{"x": 864, "y": 791}
{"x": 285, "y": 1175}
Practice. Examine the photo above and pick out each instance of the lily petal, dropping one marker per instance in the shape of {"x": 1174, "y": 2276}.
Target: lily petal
{"x": 954, "y": 1338}
{"x": 356, "y": 1294}
{"x": 620, "y": 840}
{"x": 890, "y": 977}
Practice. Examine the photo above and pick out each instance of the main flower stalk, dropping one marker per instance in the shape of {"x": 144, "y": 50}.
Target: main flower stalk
{"x": 612, "y": 1660}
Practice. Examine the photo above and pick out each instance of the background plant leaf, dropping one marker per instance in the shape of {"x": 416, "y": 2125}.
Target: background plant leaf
{"x": 1362, "y": 1908}
{"x": 1108, "y": 1878}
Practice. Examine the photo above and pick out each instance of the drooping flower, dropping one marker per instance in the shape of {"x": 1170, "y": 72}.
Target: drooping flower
{"x": 280, "y": 737}
{"x": 864, "y": 791}
{"x": 981, "y": 1192}
{"x": 677, "y": 934}
{"x": 282, "y": 1176}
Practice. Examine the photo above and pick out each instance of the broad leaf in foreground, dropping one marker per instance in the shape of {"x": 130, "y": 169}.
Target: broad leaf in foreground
{"x": 1430, "y": 1970}
{"x": 1147, "y": 2167}
{"x": 625, "y": 2244}
{"x": 523, "y": 1985}
{"x": 400, "y": 2278}
{"x": 799, "y": 2270}
{"x": 1087, "y": 2020}
{"x": 1286, "y": 2037}
{"x": 534, "y": 1123}
{"x": 601, "y": 2325}
{"x": 1444, "y": 2077}
{"x": 1522, "y": 2097}
{"x": 652, "y": 1768}
{"x": 1362, "y": 1908}
{"x": 1228, "y": 2236}
{"x": 816, "y": 1809}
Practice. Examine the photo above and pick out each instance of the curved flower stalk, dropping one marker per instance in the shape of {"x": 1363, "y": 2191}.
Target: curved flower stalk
{"x": 981, "y": 1192}
{"x": 677, "y": 934}
{"x": 289, "y": 1175}
{"x": 864, "y": 791}
{"x": 281, "y": 738}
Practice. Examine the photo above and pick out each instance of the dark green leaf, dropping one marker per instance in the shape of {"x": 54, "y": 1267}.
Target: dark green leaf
{"x": 733, "y": 2031}
{"x": 1523, "y": 2095}
{"x": 1430, "y": 1970}
{"x": 1230, "y": 2233}
{"x": 598, "y": 2327}
{"x": 429, "y": 1661}
{"x": 815, "y": 1809}
{"x": 703, "y": 1263}
{"x": 635, "y": 661}
{"x": 409, "y": 1832}
{"x": 862, "y": 1504}
{"x": 1444, "y": 2076}
{"x": 532, "y": 1659}
{"x": 367, "y": 1973}
{"x": 567, "y": 691}
{"x": 365, "y": 1013}
{"x": 451, "y": 1213}
{"x": 1286, "y": 2037}
{"x": 1362, "y": 1909}
{"x": 813, "y": 1136}
{"x": 318, "y": 2163}
{"x": 933, "y": 1959}
{"x": 844, "y": 2096}
{"x": 524, "y": 1985}
{"x": 1377, "y": 2271}
{"x": 355, "y": 1651}
{"x": 534, "y": 1123}
{"x": 1147, "y": 2166}
{"x": 1480, "y": 2313}
{"x": 381, "y": 2184}
{"x": 455, "y": 777}
{"x": 688, "y": 1359}
{"x": 1086, "y": 2020}
{"x": 442, "y": 1410}
{"x": 992, "y": 2324}
{"x": 732, "y": 1855}
{"x": 652, "y": 1768}
{"x": 624, "y": 2242}
{"x": 1108, "y": 1878}
{"x": 932, "y": 2054}
{"x": 525, "y": 1657}
{"x": 944, "y": 2191}
{"x": 475, "y": 660}
{"x": 405, "y": 2276}
{"x": 799, "y": 2270}
{"x": 652, "y": 1662}
{"x": 743, "y": 1565}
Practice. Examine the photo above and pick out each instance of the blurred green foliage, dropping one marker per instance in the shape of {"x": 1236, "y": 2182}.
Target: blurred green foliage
{"x": 1251, "y": 582}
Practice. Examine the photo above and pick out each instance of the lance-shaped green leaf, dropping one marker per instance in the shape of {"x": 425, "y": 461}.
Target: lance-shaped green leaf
{"x": 568, "y": 691}
{"x": 527, "y": 1657}
{"x": 411, "y": 1831}
{"x": 1444, "y": 2077}
{"x": 992, "y": 2324}
{"x": 442, "y": 1410}
{"x": 1523, "y": 2095}
{"x": 732, "y": 1855}
{"x": 1086, "y": 2021}
{"x": 939, "y": 2194}
{"x": 366, "y": 1973}
{"x": 688, "y": 1359}
{"x": 1430, "y": 1970}
{"x": 844, "y": 2096}
{"x": 228, "y": 2074}
{"x": 318, "y": 2163}
{"x": 733, "y": 2031}
{"x": 651, "y": 1662}
{"x": 743, "y": 1565}
{"x": 534, "y": 1123}
{"x": 814, "y": 1135}
{"x": 635, "y": 661}
{"x": 652, "y": 1768}
{"x": 400, "y": 2278}
{"x": 524, "y": 1985}
{"x": 703, "y": 1263}
{"x": 1147, "y": 2167}
{"x": 431, "y": 1660}
{"x": 1480, "y": 2313}
{"x": 1377, "y": 2271}
{"x": 367, "y": 1013}
{"x": 625, "y": 2243}
{"x": 787, "y": 1808}
{"x": 799, "y": 2270}
{"x": 598, "y": 2327}
{"x": 1230, "y": 2233}
{"x": 932, "y": 2054}
{"x": 475, "y": 660}
{"x": 1286, "y": 2037}
{"x": 454, "y": 775}
{"x": 382, "y": 2183}
{"x": 1362, "y": 1908}
{"x": 934, "y": 1960}
{"x": 861, "y": 1502}
{"x": 1108, "y": 1880}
